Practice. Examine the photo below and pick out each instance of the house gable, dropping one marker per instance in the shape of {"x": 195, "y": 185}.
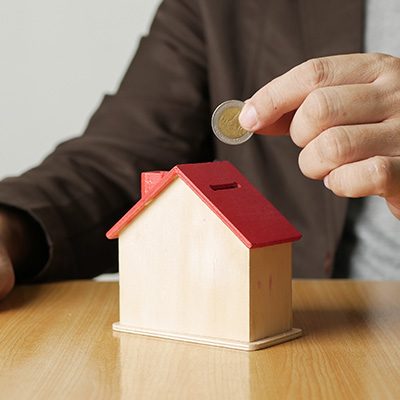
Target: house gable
{"x": 181, "y": 268}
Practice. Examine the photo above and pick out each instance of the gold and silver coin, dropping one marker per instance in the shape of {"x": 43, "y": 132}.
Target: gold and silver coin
{"x": 225, "y": 123}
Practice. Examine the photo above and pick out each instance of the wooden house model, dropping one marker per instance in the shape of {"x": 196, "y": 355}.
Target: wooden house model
{"x": 205, "y": 258}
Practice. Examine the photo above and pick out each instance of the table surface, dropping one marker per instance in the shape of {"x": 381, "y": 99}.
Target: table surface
{"x": 56, "y": 342}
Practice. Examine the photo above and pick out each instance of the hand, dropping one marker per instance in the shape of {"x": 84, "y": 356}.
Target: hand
{"x": 7, "y": 276}
{"x": 344, "y": 111}
{"x": 23, "y": 248}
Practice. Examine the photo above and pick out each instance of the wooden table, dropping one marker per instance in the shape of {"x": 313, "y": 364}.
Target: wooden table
{"x": 56, "y": 342}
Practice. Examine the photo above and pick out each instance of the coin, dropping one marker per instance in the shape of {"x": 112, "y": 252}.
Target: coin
{"x": 225, "y": 123}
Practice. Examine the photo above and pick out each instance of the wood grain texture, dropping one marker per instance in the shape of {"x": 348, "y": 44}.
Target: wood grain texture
{"x": 56, "y": 342}
{"x": 183, "y": 271}
{"x": 270, "y": 291}
{"x": 185, "y": 275}
{"x": 212, "y": 341}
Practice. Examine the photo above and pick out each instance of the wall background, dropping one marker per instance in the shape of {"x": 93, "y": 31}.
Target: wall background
{"x": 58, "y": 58}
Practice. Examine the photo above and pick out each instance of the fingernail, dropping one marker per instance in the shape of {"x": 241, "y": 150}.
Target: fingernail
{"x": 326, "y": 182}
{"x": 248, "y": 117}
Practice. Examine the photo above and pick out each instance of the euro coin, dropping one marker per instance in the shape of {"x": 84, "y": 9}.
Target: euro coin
{"x": 225, "y": 123}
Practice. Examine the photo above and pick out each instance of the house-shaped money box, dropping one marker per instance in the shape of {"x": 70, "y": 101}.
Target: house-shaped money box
{"x": 205, "y": 258}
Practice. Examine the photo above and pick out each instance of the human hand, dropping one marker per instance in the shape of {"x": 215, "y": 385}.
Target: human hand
{"x": 7, "y": 276}
{"x": 23, "y": 248}
{"x": 344, "y": 111}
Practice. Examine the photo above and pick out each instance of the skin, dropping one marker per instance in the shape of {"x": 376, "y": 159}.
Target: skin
{"x": 7, "y": 276}
{"x": 344, "y": 112}
{"x": 22, "y": 247}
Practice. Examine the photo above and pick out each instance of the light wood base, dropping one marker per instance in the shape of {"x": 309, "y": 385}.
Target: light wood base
{"x": 232, "y": 344}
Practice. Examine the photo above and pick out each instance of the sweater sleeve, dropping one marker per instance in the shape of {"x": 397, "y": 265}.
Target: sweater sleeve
{"x": 157, "y": 119}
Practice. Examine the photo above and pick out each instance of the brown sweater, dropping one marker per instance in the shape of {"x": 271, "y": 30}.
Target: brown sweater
{"x": 198, "y": 54}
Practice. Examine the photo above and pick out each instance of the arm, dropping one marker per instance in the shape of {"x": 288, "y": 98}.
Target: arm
{"x": 158, "y": 118}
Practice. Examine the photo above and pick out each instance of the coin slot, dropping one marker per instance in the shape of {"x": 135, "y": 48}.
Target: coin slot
{"x": 225, "y": 186}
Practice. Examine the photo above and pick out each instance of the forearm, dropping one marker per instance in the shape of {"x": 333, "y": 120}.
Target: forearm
{"x": 158, "y": 118}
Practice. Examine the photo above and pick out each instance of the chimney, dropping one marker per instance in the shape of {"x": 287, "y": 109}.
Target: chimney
{"x": 150, "y": 179}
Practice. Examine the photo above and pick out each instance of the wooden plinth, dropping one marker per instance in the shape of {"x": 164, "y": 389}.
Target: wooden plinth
{"x": 231, "y": 344}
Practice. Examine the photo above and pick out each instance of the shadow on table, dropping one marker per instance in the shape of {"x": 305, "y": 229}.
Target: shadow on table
{"x": 19, "y": 297}
{"x": 322, "y": 321}
{"x": 357, "y": 311}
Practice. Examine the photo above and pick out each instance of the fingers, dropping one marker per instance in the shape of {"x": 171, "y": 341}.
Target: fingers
{"x": 335, "y": 106}
{"x": 344, "y": 112}
{"x": 394, "y": 206}
{"x": 374, "y": 176}
{"x": 280, "y": 127}
{"x": 346, "y": 144}
{"x": 287, "y": 92}
{"x": 7, "y": 277}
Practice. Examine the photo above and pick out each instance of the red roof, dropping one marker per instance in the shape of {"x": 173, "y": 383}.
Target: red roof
{"x": 252, "y": 218}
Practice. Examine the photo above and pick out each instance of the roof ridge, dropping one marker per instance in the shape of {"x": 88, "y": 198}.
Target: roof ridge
{"x": 261, "y": 227}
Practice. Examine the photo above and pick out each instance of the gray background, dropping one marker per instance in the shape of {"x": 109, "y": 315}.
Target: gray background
{"x": 58, "y": 58}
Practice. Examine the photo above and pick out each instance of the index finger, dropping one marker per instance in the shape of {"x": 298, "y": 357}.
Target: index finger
{"x": 288, "y": 91}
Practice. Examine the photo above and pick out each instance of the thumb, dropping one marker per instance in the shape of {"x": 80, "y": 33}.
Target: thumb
{"x": 7, "y": 276}
{"x": 279, "y": 128}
